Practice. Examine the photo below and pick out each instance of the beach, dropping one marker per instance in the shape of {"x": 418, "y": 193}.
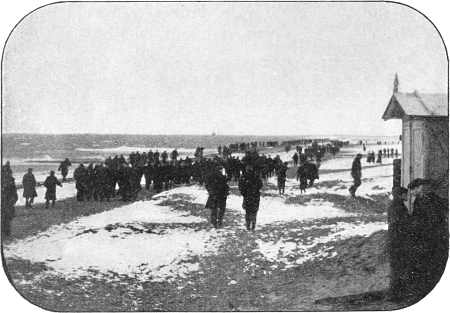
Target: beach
{"x": 162, "y": 250}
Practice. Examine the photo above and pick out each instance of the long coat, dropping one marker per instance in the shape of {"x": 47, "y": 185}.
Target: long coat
{"x": 9, "y": 197}
{"x": 50, "y": 183}
{"x": 217, "y": 187}
{"x": 29, "y": 186}
{"x": 250, "y": 186}
{"x": 356, "y": 168}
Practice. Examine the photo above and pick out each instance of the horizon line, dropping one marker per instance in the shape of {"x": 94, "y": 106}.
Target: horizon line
{"x": 208, "y": 135}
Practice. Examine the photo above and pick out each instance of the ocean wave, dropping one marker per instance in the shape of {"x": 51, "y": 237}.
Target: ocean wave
{"x": 130, "y": 149}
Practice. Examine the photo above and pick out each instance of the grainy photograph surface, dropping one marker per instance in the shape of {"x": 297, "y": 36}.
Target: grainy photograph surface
{"x": 224, "y": 156}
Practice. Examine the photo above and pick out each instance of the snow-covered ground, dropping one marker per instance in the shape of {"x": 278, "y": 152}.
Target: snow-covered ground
{"x": 290, "y": 252}
{"x": 120, "y": 241}
{"x": 151, "y": 241}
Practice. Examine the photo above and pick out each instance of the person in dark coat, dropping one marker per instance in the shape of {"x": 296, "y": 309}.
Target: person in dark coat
{"x": 90, "y": 181}
{"x": 148, "y": 174}
{"x": 125, "y": 182}
{"x": 6, "y": 168}
{"x": 281, "y": 178}
{"x": 81, "y": 182}
{"x": 64, "y": 168}
{"x": 380, "y": 156}
{"x": 429, "y": 237}
{"x": 9, "y": 199}
{"x": 302, "y": 177}
{"x": 218, "y": 189}
{"x": 295, "y": 159}
{"x": 102, "y": 183}
{"x": 250, "y": 185}
{"x": 356, "y": 174}
{"x": 29, "y": 188}
{"x": 50, "y": 194}
{"x": 174, "y": 155}
{"x": 164, "y": 156}
{"x": 398, "y": 232}
{"x": 369, "y": 157}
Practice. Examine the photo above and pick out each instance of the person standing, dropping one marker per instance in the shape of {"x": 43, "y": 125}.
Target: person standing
{"x": 281, "y": 178}
{"x": 64, "y": 168}
{"x": 429, "y": 237}
{"x": 356, "y": 174}
{"x": 174, "y": 155}
{"x": 80, "y": 176}
{"x": 9, "y": 199}
{"x": 50, "y": 183}
{"x": 380, "y": 155}
{"x": 250, "y": 185}
{"x": 295, "y": 158}
{"x": 29, "y": 188}
{"x": 217, "y": 187}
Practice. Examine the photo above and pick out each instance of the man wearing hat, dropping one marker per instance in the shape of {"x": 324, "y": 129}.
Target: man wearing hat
{"x": 217, "y": 187}
{"x": 429, "y": 236}
{"x": 50, "y": 194}
{"x": 29, "y": 188}
{"x": 250, "y": 185}
{"x": 356, "y": 174}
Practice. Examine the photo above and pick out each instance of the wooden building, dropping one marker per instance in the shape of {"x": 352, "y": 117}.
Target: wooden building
{"x": 418, "y": 246}
{"x": 424, "y": 136}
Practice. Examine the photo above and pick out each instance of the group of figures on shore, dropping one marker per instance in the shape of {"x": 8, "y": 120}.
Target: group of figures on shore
{"x": 253, "y": 171}
{"x": 162, "y": 171}
{"x": 382, "y": 153}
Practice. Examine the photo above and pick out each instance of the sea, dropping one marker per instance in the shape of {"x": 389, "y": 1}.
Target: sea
{"x": 44, "y": 152}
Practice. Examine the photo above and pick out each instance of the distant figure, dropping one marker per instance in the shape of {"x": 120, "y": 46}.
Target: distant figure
{"x": 281, "y": 178}
{"x": 396, "y": 153}
{"x": 295, "y": 158}
{"x": 379, "y": 157}
{"x": 307, "y": 171}
{"x": 356, "y": 174}
{"x": 9, "y": 199}
{"x": 250, "y": 185}
{"x": 50, "y": 183}
{"x": 217, "y": 187}
{"x": 6, "y": 169}
{"x": 29, "y": 188}
{"x": 81, "y": 178}
{"x": 64, "y": 168}
{"x": 174, "y": 155}
{"x": 164, "y": 156}
{"x": 364, "y": 147}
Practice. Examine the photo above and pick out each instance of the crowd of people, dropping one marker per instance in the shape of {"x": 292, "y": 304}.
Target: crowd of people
{"x": 382, "y": 153}
{"x": 121, "y": 176}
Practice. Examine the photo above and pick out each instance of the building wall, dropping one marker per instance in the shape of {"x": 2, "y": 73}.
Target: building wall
{"x": 437, "y": 154}
{"x": 425, "y": 151}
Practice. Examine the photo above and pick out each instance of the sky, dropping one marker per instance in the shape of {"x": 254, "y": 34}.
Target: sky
{"x": 229, "y": 68}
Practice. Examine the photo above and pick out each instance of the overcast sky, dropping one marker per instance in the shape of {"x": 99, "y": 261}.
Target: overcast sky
{"x": 195, "y": 68}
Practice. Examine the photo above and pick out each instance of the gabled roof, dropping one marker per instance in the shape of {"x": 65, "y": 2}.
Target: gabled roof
{"x": 415, "y": 104}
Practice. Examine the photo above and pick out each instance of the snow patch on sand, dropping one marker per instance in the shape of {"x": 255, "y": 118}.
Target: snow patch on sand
{"x": 290, "y": 253}
{"x": 121, "y": 242}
